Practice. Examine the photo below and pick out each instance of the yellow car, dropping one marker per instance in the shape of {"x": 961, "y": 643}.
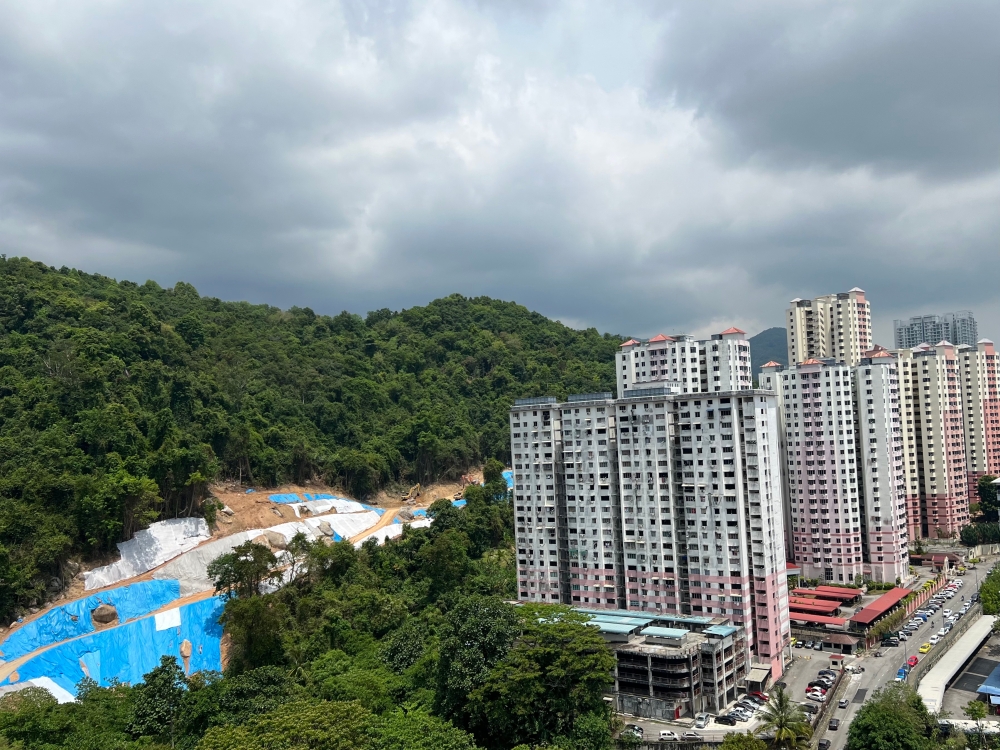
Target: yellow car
{"x": 925, "y": 648}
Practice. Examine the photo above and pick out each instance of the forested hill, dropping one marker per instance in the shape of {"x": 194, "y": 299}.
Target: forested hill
{"x": 119, "y": 401}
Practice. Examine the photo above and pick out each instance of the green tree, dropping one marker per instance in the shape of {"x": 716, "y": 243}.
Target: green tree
{"x": 410, "y": 729}
{"x": 243, "y": 571}
{"x": 477, "y": 635}
{"x": 987, "y": 492}
{"x": 255, "y": 627}
{"x": 742, "y": 741}
{"x": 157, "y": 700}
{"x": 975, "y": 710}
{"x": 556, "y": 672}
{"x": 893, "y": 718}
{"x": 297, "y": 726}
{"x": 784, "y": 721}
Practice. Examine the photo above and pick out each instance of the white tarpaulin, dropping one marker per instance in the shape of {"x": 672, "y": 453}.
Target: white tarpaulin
{"x": 392, "y": 531}
{"x": 169, "y": 619}
{"x": 61, "y": 695}
{"x": 148, "y": 549}
{"x": 191, "y": 567}
{"x": 317, "y": 507}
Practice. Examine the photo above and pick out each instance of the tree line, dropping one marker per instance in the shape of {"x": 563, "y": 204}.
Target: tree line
{"x": 120, "y": 402}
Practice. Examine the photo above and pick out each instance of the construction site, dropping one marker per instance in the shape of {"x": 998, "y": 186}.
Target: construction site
{"x": 113, "y": 623}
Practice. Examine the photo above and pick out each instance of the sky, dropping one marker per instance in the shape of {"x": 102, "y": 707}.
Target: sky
{"x": 640, "y": 167}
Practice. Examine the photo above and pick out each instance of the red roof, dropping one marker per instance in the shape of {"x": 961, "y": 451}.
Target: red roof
{"x": 880, "y": 606}
{"x": 630, "y": 342}
{"x": 731, "y": 330}
{"x": 813, "y": 605}
{"x": 840, "y": 590}
{"x": 772, "y": 363}
{"x": 816, "y": 619}
{"x": 811, "y": 362}
{"x": 815, "y": 594}
{"x": 660, "y": 337}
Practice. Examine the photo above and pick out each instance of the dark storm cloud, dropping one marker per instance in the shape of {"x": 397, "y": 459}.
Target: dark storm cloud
{"x": 676, "y": 171}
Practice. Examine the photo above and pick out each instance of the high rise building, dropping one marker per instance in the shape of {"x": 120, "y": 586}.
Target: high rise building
{"x": 934, "y": 440}
{"x": 656, "y": 501}
{"x": 957, "y": 327}
{"x": 843, "y": 467}
{"x": 978, "y": 382}
{"x": 837, "y": 326}
{"x": 721, "y": 363}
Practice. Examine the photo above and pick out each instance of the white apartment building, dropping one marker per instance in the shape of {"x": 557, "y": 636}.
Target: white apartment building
{"x": 843, "y": 468}
{"x": 934, "y": 440}
{"x": 721, "y": 363}
{"x": 978, "y": 382}
{"x": 957, "y": 327}
{"x": 663, "y": 502}
{"x": 837, "y": 326}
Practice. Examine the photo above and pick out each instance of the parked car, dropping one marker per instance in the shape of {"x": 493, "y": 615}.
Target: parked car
{"x": 912, "y": 661}
{"x": 701, "y": 720}
{"x": 799, "y": 644}
{"x": 824, "y": 744}
{"x": 809, "y": 644}
{"x": 809, "y": 708}
{"x": 843, "y": 703}
{"x": 818, "y": 646}
{"x": 828, "y": 672}
{"x": 764, "y": 696}
{"x": 818, "y": 697}
{"x": 817, "y": 688}
{"x": 947, "y": 613}
{"x": 925, "y": 648}
{"x": 935, "y": 640}
{"x": 691, "y": 737}
{"x": 834, "y": 724}
{"x": 633, "y": 729}
{"x": 726, "y": 719}
{"x": 667, "y": 736}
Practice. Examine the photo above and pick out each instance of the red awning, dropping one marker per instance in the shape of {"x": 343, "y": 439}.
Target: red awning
{"x": 839, "y": 590}
{"x": 816, "y": 619}
{"x": 880, "y": 606}
{"x": 828, "y": 595}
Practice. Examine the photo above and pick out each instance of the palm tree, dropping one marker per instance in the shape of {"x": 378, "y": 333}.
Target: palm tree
{"x": 785, "y": 723}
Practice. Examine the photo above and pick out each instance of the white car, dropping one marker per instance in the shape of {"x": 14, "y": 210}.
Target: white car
{"x": 667, "y": 736}
{"x": 934, "y": 640}
{"x": 701, "y": 720}
{"x": 947, "y": 613}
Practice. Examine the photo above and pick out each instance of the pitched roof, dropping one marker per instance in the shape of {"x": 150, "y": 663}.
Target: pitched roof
{"x": 883, "y": 353}
{"x": 772, "y": 363}
{"x": 660, "y": 337}
{"x": 732, "y": 330}
{"x": 811, "y": 362}
{"x": 630, "y": 342}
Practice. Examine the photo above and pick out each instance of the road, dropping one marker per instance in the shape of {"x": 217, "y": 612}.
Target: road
{"x": 856, "y": 688}
{"x": 880, "y": 671}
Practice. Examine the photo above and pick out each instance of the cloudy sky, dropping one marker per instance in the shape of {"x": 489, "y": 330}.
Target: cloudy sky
{"x": 674, "y": 166}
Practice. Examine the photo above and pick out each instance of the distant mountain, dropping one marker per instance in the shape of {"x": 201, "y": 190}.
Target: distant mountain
{"x": 768, "y": 345}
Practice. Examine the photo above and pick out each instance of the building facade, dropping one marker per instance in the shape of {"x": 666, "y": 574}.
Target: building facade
{"x": 658, "y": 501}
{"x": 977, "y": 370}
{"x": 934, "y": 440}
{"x": 721, "y": 363}
{"x": 835, "y": 326}
{"x": 846, "y": 517}
{"x": 957, "y": 327}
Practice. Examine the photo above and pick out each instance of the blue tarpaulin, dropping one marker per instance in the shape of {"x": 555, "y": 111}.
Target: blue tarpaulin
{"x": 509, "y": 478}
{"x": 128, "y": 652}
{"x": 991, "y": 686}
{"x": 73, "y": 619}
{"x": 458, "y": 503}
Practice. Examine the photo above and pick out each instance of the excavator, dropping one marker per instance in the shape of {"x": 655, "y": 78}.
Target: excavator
{"x": 412, "y": 495}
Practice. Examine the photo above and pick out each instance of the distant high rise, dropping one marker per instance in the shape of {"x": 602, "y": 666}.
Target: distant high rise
{"x": 956, "y": 328}
{"x": 835, "y": 326}
{"x": 721, "y": 363}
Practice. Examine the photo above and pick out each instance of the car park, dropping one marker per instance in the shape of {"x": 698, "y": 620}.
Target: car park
{"x": 843, "y": 703}
{"x": 925, "y": 648}
{"x": 701, "y": 720}
{"x": 726, "y": 719}
{"x": 667, "y": 736}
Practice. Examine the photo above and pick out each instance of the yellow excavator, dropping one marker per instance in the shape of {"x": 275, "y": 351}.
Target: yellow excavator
{"x": 412, "y": 495}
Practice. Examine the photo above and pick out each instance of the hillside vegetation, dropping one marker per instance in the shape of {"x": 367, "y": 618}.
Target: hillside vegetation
{"x": 119, "y": 401}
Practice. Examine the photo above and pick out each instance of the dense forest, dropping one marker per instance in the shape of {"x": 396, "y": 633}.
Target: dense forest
{"x": 120, "y": 402}
{"x": 405, "y": 646}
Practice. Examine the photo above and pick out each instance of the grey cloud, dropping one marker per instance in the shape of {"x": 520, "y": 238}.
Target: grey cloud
{"x": 899, "y": 85}
{"x": 357, "y": 156}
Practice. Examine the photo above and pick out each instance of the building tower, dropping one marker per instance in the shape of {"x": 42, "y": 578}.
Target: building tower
{"x": 721, "y": 363}
{"x": 835, "y": 326}
{"x": 957, "y": 327}
{"x": 978, "y": 371}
